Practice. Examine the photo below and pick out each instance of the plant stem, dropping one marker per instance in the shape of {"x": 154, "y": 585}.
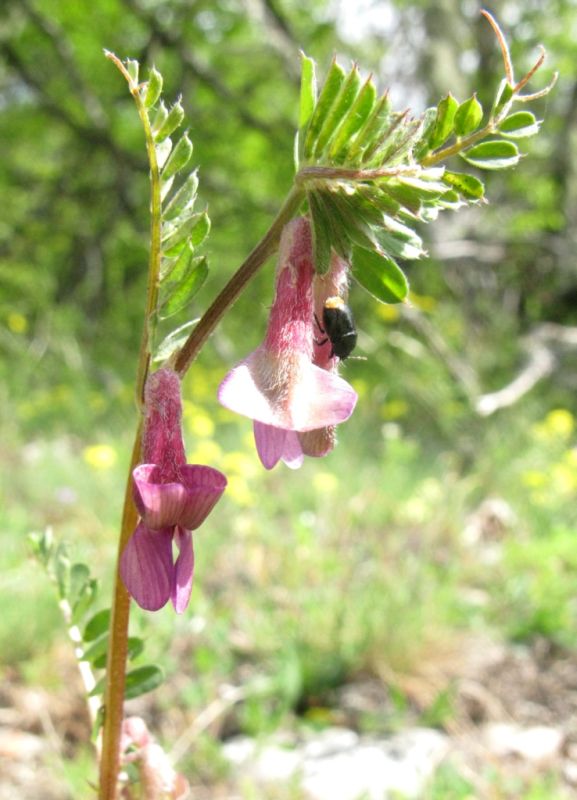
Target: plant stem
{"x": 265, "y": 248}
{"x": 117, "y": 650}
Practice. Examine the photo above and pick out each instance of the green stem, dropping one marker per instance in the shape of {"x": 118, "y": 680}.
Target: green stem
{"x": 263, "y": 250}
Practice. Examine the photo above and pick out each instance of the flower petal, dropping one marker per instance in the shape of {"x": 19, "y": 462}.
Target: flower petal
{"x": 241, "y": 390}
{"x": 203, "y": 488}
{"x": 184, "y": 570}
{"x": 186, "y": 503}
{"x": 270, "y": 442}
{"x": 146, "y": 567}
{"x": 320, "y": 399}
{"x": 292, "y": 453}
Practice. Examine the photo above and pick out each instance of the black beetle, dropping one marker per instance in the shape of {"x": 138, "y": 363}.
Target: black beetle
{"x": 339, "y": 327}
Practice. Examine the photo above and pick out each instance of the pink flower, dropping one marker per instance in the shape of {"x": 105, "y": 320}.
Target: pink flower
{"x": 278, "y": 385}
{"x": 173, "y": 498}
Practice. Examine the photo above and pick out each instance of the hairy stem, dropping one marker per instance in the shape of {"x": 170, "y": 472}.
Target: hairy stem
{"x": 117, "y": 649}
{"x": 265, "y": 248}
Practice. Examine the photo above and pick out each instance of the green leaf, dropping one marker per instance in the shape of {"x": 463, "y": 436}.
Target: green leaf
{"x": 96, "y": 650}
{"x": 494, "y": 154}
{"x": 183, "y": 292}
{"x": 42, "y": 545}
{"x": 133, "y": 68}
{"x": 444, "y": 121}
{"x": 422, "y": 146}
{"x": 97, "y": 625}
{"x": 153, "y": 88}
{"x": 135, "y": 647}
{"x": 308, "y": 97}
{"x": 468, "y": 185}
{"x": 194, "y": 229}
{"x": 504, "y": 96}
{"x": 62, "y": 570}
{"x": 173, "y": 120}
{"x": 354, "y": 120}
{"x": 79, "y": 578}
{"x": 379, "y": 275}
{"x": 336, "y": 232}
{"x": 357, "y": 230}
{"x": 174, "y": 341}
{"x": 321, "y": 236}
{"x": 396, "y": 144}
{"x": 520, "y": 125}
{"x": 468, "y": 116}
{"x": 328, "y": 95}
{"x": 159, "y": 117}
{"x": 179, "y": 157}
{"x": 85, "y": 599}
{"x": 182, "y": 199}
{"x": 370, "y": 135}
{"x": 142, "y": 680}
{"x": 343, "y": 103}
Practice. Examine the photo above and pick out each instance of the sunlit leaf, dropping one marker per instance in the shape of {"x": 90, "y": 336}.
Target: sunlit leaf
{"x": 370, "y": 135}
{"x": 327, "y": 97}
{"x": 193, "y": 228}
{"x": 174, "y": 341}
{"x": 153, "y": 88}
{"x": 308, "y": 96}
{"x": 173, "y": 120}
{"x": 444, "y": 122}
{"x": 178, "y": 295}
{"x": 354, "y": 120}
{"x": 520, "y": 125}
{"x": 142, "y": 680}
{"x": 79, "y": 577}
{"x": 133, "y": 68}
{"x": 467, "y": 185}
{"x": 159, "y": 118}
{"x": 468, "y": 116}
{"x": 182, "y": 198}
{"x": 379, "y": 275}
{"x": 343, "y": 103}
{"x": 494, "y": 154}
{"x": 504, "y": 95}
{"x": 179, "y": 158}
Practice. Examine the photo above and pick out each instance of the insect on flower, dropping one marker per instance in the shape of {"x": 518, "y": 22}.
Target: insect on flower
{"x": 339, "y": 327}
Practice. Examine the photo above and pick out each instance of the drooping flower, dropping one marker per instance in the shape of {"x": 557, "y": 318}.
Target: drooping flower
{"x": 278, "y": 386}
{"x": 173, "y": 498}
{"x": 334, "y": 283}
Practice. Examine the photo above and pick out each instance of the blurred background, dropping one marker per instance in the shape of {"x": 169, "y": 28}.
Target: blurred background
{"x": 423, "y": 575}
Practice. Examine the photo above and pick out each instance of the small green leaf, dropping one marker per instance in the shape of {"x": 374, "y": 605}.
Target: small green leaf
{"x": 133, "y": 68}
{"x": 343, "y": 103}
{"x": 308, "y": 97}
{"x": 79, "y": 577}
{"x": 182, "y": 293}
{"x": 328, "y": 95}
{"x": 337, "y": 234}
{"x": 494, "y": 154}
{"x": 396, "y": 144}
{"x": 171, "y": 123}
{"x": 62, "y": 570}
{"x": 42, "y": 545}
{"x": 135, "y": 647}
{"x": 468, "y": 116}
{"x": 153, "y": 88}
{"x": 85, "y": 599}
{"x": 444, "y": 121}
{"x": 159, "y": 117}
{"x": 504, "y": 96}
{"x": 370, "y": 135}
{"x": 520, "y": 125}
{"x": 179, "y": 157}
{"x": 182, "y": 199}
{"x": 468, "y": 185}
{"x": 321, "y": 236}
{"x": 174, "y": 341}
{"x": 142, "y": 680}
{"x": 193, "y": 229}
{"x": 422, "y": 146}
{"x": 97, "y": 625}
{"x": 96, "y": 650}
{"x": 379, "y": 275}
{"x": 354, "y": 120}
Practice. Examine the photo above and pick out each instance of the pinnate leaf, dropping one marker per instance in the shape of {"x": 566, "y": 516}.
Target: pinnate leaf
{"x": 520, "y": 125}
{"x": 179, "y": 157}
{"x": 343, "y": 102}
{"x": 173, "y": 119}
{"x": 327, "y": 97}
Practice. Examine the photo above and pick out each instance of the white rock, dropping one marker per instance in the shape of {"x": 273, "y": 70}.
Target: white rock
{"x": 538, "y": 744}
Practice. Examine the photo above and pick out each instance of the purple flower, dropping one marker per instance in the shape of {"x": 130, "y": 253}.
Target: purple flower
{"x": 278, "y": 385}
{"x": 173, "y": 498}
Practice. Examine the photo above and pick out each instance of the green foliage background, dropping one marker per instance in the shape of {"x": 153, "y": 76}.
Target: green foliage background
{"x": 414, "y": 460}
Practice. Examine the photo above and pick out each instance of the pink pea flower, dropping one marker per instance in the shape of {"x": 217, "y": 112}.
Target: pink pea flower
{"x": 278, "y": 386}
{"x": 173, "y": 498}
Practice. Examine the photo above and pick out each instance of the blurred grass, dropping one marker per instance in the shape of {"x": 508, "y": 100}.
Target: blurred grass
{"x": 355, "y": 565}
